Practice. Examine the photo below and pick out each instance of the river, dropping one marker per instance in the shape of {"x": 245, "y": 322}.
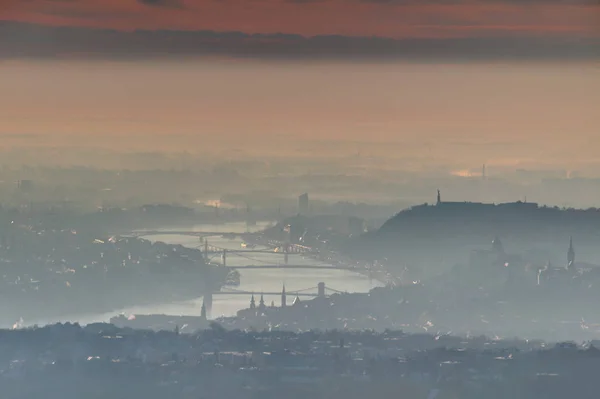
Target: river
{"x": 255, "y": 280}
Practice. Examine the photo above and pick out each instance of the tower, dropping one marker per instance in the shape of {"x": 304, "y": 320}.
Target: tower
{"x": 497, "y": 246}
{"x": 203, "y": 311}
{"x": 261, "y": 304}
{"x": 252, "y": 302}
{"x": 570, "y": 254}
{"x": 439, "y": 198}
{"x": 207, "y": 302}
{"x": 321, "y": 290}
{"x": 283, "y": 298}
{"x": 303, "y": 204}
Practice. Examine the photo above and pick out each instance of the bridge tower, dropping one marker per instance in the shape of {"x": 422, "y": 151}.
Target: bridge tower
{"x": 283, "y": 298}
{"x": 321, "y": 290}
{"x": 224, "y": 257}
{"x": 203, "y": 311}
{"x": 207, "y": 303}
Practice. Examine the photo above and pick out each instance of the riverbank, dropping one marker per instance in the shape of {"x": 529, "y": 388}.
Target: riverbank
{"x": 77, "y": 304}
{"x": 47, "y": 275}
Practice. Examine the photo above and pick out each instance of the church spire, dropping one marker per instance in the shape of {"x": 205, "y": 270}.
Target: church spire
{"x": 570, "y": 254}
{"x": 252, "y": 302}
{"x": 261, "y": 304}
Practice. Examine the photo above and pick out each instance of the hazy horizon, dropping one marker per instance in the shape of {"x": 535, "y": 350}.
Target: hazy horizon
{"x": 461, "y": 115}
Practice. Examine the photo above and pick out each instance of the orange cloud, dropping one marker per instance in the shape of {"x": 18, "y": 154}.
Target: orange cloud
{"x": 390, "y": 18}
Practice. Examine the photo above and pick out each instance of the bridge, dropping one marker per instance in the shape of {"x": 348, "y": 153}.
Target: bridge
{"x": 302, "y": 294}
{"x": 321, "y": 289}
{"x": 283, "y": 249}
{"x": 300, "y": 250}
{"x": 193, "y": 233}
{"x": 286, "y": 266}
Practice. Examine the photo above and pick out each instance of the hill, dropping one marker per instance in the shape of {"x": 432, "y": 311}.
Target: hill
{"x": 433, "y": 238}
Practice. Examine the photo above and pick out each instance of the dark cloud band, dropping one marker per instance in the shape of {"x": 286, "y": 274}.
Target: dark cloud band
{"x": 163, "y": 3}
{"x": 28, "y": 40}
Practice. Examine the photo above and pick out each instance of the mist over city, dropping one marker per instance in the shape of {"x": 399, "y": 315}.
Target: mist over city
{"x": 330, "y": 199}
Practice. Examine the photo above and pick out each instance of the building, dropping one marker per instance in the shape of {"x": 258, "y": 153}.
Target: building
{"x": 283, "y": 298}
{"x": 25, "y": 185}
{"x": 303, "y": 205}
{"x": 356, "y": 226}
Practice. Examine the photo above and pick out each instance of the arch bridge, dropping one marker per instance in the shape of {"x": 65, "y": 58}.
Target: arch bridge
{"x": 192, "y": 233}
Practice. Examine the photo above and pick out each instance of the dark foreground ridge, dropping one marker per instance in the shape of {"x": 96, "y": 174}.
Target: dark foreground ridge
{"x": 101, "y": 360}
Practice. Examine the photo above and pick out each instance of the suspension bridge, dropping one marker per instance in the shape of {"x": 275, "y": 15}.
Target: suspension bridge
{"x": 321, "y": 292}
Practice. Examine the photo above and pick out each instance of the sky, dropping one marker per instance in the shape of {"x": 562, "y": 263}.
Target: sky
{"x": 387, "y": 18}
{"x": 463, "y": 110}
{"x": 465, "y": 114}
